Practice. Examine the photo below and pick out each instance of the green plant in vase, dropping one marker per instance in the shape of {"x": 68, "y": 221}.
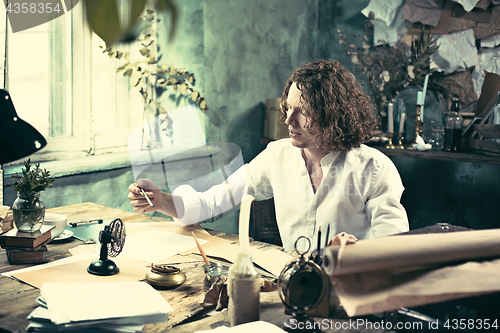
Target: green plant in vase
{"x": 28, "y": 210}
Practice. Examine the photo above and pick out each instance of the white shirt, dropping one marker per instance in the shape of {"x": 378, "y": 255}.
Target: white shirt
{"x": 359, "y": 194}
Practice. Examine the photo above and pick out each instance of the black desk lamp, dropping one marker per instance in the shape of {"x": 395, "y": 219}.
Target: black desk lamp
{"x": 18, "y": 139}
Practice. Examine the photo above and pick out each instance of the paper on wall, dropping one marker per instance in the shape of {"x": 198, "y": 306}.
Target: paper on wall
{"x": 391, "y": 33}
{"x": 488, "y": 60}
{"x": 457, "y": 51}
{"x": 424, "y": 11}
{"x": 384, "y": 10}
{"x": 467, "y": 4}
{"x": 490, "y": 42}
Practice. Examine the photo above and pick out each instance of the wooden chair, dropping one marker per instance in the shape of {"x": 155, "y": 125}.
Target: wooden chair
{"x": 265, "y": 226}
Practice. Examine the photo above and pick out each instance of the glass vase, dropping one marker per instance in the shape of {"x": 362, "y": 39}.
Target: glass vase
{"x": 28, "y": 211}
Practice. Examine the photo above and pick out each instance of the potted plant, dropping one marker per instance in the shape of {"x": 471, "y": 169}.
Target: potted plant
{"x": 28, "y": 210}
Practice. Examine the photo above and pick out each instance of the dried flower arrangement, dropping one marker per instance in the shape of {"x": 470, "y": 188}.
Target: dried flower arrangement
{"x": 390, "y": 69}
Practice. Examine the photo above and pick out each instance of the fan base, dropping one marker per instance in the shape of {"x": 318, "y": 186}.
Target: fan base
{"x": 103, "y": 267}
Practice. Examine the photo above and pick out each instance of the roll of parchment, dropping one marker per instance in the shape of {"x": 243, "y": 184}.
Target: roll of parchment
{"x": 400, "y": 251}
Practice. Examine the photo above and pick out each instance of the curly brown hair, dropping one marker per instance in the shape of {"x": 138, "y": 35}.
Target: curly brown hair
{"x": 336, "y": 102}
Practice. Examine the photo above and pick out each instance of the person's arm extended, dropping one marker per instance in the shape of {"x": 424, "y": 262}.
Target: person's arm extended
{"x": 166, "y": 203}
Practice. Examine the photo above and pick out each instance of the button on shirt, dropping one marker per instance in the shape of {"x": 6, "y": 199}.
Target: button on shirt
{"x": 359, "y": 194}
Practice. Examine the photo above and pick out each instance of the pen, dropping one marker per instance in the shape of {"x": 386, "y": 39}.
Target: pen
{"x": 205, "y": 258}
{"x": 327, "y": 236}
{"x": 76, "y": 224}
{"x": 147, "y": 198}
{"x": 319, "y": 239}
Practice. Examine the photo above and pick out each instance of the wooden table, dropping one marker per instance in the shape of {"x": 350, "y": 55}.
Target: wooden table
{"x": 18, "y": 299}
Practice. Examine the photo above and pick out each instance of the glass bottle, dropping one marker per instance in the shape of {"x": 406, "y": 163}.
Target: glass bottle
{"x": 453, "y": 127}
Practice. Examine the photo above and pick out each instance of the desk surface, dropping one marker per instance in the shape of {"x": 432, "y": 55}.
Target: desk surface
{"x": 18, "y": 299}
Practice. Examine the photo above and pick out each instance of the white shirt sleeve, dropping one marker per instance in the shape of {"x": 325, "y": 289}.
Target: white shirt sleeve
{"x": 204, "y": 206}
{"x": 383, "y": 207}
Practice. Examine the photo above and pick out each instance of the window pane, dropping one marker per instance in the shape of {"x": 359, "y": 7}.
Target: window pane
{"x": 28, "y": 75}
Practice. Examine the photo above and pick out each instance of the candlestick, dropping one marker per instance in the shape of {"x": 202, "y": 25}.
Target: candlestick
{"x": 390, "y": 119}
{"x": 400, "y": 145}
{"x": 390, "y": 145}
{"x": 418, "y": 126}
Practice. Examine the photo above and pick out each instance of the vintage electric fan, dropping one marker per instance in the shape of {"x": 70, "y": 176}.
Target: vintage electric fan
{"x": 112, "y": 239}
{"x": 301, "y": 286}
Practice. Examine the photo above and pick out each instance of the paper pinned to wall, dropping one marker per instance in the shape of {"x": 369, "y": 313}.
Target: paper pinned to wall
{"x": 457, "y": 51}
{"x": 384, "y": 10}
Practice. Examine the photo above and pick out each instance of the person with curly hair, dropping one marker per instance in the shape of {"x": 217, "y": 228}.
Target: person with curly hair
{"x": 322, "y": 177}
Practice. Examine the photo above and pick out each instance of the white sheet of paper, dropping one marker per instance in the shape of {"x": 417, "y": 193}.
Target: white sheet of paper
{"x": 94, "y": 301}
{"x": 155, "y": 245}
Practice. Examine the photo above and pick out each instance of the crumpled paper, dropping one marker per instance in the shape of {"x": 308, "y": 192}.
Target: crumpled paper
{"x": 421, "y": 145}
{"x": 457, "y": 51}
{"x": 468, "y": 4}
{"x": 384, "y": 10}
{"x": 489, "y": 61}
{"x": 217, "y": 294}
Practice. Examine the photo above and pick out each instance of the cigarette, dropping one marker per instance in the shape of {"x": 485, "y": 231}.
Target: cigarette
{"x": 147, "y": 198}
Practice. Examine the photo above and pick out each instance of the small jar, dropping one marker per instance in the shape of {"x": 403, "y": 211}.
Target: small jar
{"x": 28, "y": 212}
{"x": 213, "y": 271}
{"x": 437, "y": 138}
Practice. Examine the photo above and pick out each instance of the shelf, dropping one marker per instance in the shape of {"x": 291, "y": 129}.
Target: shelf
{"x": 432, "y": 154}
{"x": 442, "y": 155}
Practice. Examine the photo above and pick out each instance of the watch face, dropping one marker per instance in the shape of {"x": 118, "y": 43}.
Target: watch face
{"x": 305, "y": 288}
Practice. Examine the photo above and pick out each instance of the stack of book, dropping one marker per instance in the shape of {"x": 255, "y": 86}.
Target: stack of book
{"x": 98, "y": 307}
{"x": 6, "y": 219}
{"x": 26, "y": 247}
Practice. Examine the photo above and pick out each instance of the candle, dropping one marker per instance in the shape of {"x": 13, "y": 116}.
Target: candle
{"x": 402, "y": 123}
{"x": 424, "y": 91}
{"x": 419, "y": 98}
{"x": 390, "y": 127}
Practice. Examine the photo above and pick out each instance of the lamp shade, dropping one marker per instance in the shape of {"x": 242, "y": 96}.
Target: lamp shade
{"x": 18, "y": 139}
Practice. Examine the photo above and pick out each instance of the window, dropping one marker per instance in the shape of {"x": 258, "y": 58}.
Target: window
{"x": 63, "y": 84}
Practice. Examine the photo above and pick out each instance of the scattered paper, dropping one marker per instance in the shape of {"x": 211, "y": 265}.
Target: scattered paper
{"x": 155, "y": 245}
{"x": 75, "y": 269}
{"x": 98, "y": 301}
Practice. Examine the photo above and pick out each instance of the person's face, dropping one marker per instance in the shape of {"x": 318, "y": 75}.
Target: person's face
{"x": 296, "y": 120}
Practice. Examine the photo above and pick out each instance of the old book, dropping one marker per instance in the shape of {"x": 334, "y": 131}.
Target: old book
{"x": 31, "y": 256}
{"x": 27, "y": 240}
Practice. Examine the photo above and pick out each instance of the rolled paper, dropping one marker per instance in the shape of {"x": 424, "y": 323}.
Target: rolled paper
{"x": 390, "y": 119}
{"x": 402, "y": 123}
{"x": 399, "y": 251}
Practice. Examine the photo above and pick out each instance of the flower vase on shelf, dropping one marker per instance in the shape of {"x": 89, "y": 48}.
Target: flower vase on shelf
{"x": 28, "y": 211}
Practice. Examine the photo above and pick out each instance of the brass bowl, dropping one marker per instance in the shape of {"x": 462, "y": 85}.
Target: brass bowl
{"x": 165, "y": 276}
